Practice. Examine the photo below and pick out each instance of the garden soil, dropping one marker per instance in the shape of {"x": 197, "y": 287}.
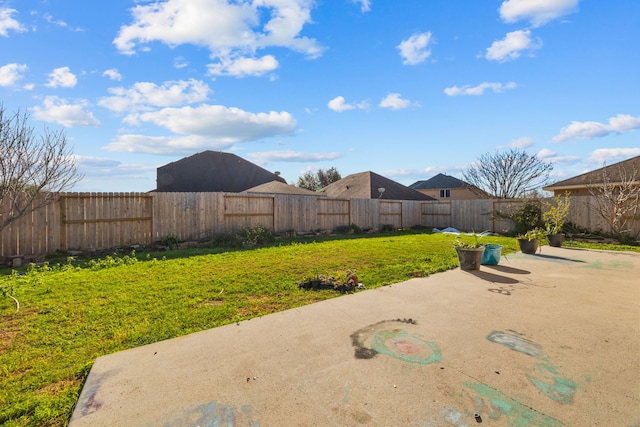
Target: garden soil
{"x": 544, "y": 340}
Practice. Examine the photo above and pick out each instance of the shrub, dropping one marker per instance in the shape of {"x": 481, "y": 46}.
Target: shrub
{"x": 348, "y": 229}
{"x": 248, "y": 237}
{"x": 527, "y": 217}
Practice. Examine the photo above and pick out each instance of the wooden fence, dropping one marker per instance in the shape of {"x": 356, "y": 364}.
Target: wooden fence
{"x": 85, "y": 221}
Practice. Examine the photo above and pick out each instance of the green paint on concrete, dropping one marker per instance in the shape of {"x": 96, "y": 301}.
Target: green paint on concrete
{"x": 546, "y": 379}
{"x": 517, "y": 414}
{"x": 407, "y": 347}
{"x": 609, "y": 265}
{"x": 346, "y": 394}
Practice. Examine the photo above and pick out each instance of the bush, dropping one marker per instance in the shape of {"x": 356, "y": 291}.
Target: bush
{"x": 387, "y": 228}
{"x": 527, "y": 217}
{"x": 248, "y": 237}
{"x": 348, "y": 229}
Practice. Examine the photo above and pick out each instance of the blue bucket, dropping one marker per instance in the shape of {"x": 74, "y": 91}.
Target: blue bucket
{"x": 491, "y": 255}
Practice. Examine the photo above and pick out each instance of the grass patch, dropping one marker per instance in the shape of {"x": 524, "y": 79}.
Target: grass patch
{"x": 71, "y": 313}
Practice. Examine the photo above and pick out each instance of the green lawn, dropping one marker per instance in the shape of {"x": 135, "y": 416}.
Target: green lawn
{"x": 70, "y": 315}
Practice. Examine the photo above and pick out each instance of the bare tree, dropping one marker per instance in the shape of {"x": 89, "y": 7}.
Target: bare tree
{"x": 34, "y": 169}
{"x": 318, "y": 180}
{"x": 507, "y": 175}
{"x": 617, "y": 199}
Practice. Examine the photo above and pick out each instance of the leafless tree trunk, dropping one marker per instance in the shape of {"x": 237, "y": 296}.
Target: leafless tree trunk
{"x": 34, "y": 169}
{"x": 507, "y": 175}
{"x": 617, "y": 200}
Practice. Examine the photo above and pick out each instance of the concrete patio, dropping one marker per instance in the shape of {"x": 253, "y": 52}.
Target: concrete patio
{"x": 542, "y": 340}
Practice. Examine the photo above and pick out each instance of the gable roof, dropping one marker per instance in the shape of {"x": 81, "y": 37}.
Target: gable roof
{"x": 277, "y": 187}
{"x": 212, "y": 171}
{"x": 615, "y": 172}
{"x": 365, "y": 185}
{"x": 439, "y": 181}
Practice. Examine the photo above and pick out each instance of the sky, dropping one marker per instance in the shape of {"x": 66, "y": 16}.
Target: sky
{"x": 403, "y": 88}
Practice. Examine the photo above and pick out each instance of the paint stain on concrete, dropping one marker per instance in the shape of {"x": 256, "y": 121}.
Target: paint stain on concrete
{"x": 407, "y": 347}
{"x": 547, "y": 380}
{"x": 515, "y": 413}
{"x": 214, "y": 414}
{"x": 609, "y": 265}
{"x": 387, "y": 338}
{"x": 515, "y": 342}
{"x": 545, "y": 376}
{"x": 454, "y": 417}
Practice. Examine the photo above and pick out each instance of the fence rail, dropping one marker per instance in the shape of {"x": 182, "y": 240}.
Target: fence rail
{"x": 86, "y": 221}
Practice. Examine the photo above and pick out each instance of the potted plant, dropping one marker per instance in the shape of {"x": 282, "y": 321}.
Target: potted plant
{"x": 469, "y": 253}
{"x": 554, "y": 217}
{"x": 530, "y": 241}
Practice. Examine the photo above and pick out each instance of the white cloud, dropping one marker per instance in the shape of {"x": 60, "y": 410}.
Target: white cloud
{"x": 8, "y": 23}
{"x": 587, "y": 130}
{"x": 241, "y": 67}
{"x": 394, "y": 102}
{"x": 113, "y": 74}
{"x": 179, "y": 62}
{"x": 415, "y": 49}
{"x": 133, "y": 143}
{"x": 538, "y": 12}
{"x": 546, "y": 154}
{"x": 57, "y": 110}
{"x": 230, "y": 29}
{"x": 11, "y": 73}
{"x": 291, "y": 156}
{"x": 479, "y": 89}
{"x": 146, "y": 95}
{"x": 511, "y": 46}
{"x": 365, "y": 5}
{"x": 339, "y": 105}
{"x": 613, "y": 155}
{"x": 47, "y": 17}
{"x": 218, "y": 123}
{"x": 521, "y": 142}
{"x": 62, "y": 77}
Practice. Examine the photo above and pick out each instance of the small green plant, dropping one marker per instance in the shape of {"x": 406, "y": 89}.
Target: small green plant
{"x": 170, "y": 241}
{"x": 348, "y": 229}
{"x": 533, "y": 234}
{"x": 385, "y": 228}
{"x": 459, "y": 243}
{"x": 249, "y": 237}
{"x": 111, "y": 261}
{"x": 556, "y": 213}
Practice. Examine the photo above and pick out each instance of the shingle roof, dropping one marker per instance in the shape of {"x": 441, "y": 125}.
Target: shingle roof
{"x": 277, "y": 187}
{"x": 439, "y": 181}
{"x": 366, "y": 185}
{"x": 212, "y": 171}
{"x": 614, "y": 173}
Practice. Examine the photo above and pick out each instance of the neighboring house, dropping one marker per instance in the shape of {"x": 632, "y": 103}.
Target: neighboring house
{"x": 627, "y": 171}
{"x": 212, "y": 171}
{"x": 278, "y": 187}
{"x": 447, "y": 187}
{"x": 369, "y": 185}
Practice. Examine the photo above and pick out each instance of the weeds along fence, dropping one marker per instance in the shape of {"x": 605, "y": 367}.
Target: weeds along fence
{"x": 86, "y": 221}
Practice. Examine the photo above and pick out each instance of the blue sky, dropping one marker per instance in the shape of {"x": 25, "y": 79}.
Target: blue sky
{"x": 403, "y": 88}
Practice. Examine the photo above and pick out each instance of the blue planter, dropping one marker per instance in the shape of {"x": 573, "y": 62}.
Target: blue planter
{"x": 492, "y": 254}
